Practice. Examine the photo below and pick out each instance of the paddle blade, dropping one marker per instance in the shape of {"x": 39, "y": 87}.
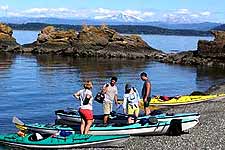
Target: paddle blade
{"x": 17, "y": 121}
{"x": 21, "y": 127}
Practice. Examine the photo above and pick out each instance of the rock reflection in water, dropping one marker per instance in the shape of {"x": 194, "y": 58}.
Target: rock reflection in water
{"x": 97, "y": 69}
{"x": 6, "y": 60}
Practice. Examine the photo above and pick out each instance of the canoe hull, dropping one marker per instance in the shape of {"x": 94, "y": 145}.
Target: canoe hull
{"x": 157, "y": 130}
{"x": 133, "y": 129}
{"x": 75, "y": 119}
{"x": 185, "y": 100}
{"x": 61, "y": 143}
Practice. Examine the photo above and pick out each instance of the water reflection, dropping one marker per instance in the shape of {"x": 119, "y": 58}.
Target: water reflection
{"x": 32, "y": 87}
{"x": 92, "y": 67}
{"x": 6, "y": 60}
{"x": 208, "y": 76}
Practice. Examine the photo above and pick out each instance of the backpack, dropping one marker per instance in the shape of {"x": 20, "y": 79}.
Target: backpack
{"x": 175, "y": 128}
{"x": 100, "y": 97}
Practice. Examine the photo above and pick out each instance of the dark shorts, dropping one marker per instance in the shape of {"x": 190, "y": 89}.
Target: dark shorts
{"x": 147, "y": 103}
{"x": 86, "y": 114}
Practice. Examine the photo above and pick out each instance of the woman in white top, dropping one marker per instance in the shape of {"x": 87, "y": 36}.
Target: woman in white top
{"x": 131, "y": 100}
{"x": 86, "y": 113}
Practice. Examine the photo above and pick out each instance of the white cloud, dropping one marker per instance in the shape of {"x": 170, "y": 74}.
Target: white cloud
{"x": 194, "y": 15}
{"x": 148, "y": 14}
{"x": 102, "y": 17}
{"x": 4, "y": 8}
{"x": 182, "y": 11}
{"x": 46, "y": 12}
{"x": 132, "y": 12}
{"x": 186, "y": 16}
{"x": 180, "y": 15}
{"x": 14, "y": 14}
{"x": 103, "y": 11}
{"x": 36, "y": 10}
{"x": 205, "y": 13}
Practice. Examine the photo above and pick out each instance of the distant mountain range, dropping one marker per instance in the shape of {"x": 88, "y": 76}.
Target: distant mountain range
{"x": 120, "y": 19}
{"x": 221, "y": 27}
{"x": 125, "y": 29}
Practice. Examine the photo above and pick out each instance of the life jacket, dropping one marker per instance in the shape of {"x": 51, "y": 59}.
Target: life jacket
{"x": 132, "y": 97}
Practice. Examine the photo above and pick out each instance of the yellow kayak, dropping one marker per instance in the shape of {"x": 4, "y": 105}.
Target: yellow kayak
{"x": 182, "y": 100}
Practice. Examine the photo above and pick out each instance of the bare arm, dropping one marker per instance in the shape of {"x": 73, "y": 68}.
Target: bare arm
{"x": 104, "y": 88}
{"x": 77, "y": 95}
{"x": 116, "y": 99}
{"x": 148, "y": 91}
{"x": 124, "y": 105}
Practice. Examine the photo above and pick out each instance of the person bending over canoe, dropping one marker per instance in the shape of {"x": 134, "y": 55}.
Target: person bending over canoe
{"x": 86, "y": 113}
{"x": 131, "y": 100}
{"x": 146, "y": 92}
{"x": 111, "y": 93}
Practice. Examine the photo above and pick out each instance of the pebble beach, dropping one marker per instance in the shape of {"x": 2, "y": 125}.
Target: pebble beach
{"x": 209, "y": 134}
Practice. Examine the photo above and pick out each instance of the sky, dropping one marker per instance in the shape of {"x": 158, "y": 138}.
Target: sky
{"x": 144, "y": 10}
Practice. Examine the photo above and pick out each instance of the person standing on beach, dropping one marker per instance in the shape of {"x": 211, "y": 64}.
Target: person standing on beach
{"x": 146, "y": 92}
{"x": 131, "y": 100}
{"x": 111, "y": 94}
{"x": 86, "y": 110}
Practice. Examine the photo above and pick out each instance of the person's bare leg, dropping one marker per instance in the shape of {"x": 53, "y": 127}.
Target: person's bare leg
{"x": 136, "y": 115}
{"x": 82, "y": 126}
{"x": 106, "y": 119}
{"x": 147, "y": 111}
{"x": 130, "y": 120}
{"x": 87, "y": 128}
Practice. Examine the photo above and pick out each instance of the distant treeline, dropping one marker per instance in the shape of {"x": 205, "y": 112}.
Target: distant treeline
{"x": 125, "y": 29}
{"x": 221, "y": 27}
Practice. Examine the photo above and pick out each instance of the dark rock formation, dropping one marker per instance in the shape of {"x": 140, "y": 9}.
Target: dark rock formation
{"x": 191, "y": 58}
{"x": 7, "y": 42}
{"x": 215, "y": 48}
{"x": 186, "y": 58}
{"x": 210, "y": 53}
{"x": 216, "y": 89}
{"x": 91, "y": 41}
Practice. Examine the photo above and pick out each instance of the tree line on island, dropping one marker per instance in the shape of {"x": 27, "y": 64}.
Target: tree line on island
{"x": 124, "y": 29}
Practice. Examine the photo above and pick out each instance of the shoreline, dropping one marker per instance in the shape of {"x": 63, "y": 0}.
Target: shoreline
{"x": 122, "y": 29}
{"x": 208, "y": 134}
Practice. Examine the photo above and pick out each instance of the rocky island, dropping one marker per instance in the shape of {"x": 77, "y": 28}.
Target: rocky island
{"x": 105, "y": 42}
{"x": 7, "y": 41}
{"x": 89, "y": 42}
{"x": 210, "y": 53}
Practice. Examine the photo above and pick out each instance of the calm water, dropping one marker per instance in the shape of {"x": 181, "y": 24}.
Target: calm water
{"x": 32, "y": 87}
{"x": 172, "y": 43}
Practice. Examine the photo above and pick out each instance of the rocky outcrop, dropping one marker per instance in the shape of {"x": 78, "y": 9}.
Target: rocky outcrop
{"x": 191, "y": 58}
{"x": 7, "y": 41}
{"x": 217, "y": 89}
{"x": 215, "y": 48}
{"x": 210, "y": 53}
{"x": 90, "y": 41}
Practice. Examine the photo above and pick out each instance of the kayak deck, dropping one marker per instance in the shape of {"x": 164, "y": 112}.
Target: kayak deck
{"x": 74, "y": 140}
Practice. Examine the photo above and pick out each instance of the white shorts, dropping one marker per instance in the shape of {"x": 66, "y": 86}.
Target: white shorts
{"x": 107, "y": 108}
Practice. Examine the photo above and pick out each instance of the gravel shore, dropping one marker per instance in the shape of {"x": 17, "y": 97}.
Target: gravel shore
{"x": 209, "y": 134}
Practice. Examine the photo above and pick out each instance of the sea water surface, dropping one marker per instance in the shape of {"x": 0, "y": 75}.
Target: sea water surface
{"x": 33, "y": 87}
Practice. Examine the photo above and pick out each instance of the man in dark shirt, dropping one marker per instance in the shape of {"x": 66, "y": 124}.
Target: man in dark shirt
{"x": 146, "y": 92}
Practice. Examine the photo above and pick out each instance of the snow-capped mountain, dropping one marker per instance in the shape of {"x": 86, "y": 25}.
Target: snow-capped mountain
{"x": 121, "y": 17}
{"x": 111, "y": 20}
